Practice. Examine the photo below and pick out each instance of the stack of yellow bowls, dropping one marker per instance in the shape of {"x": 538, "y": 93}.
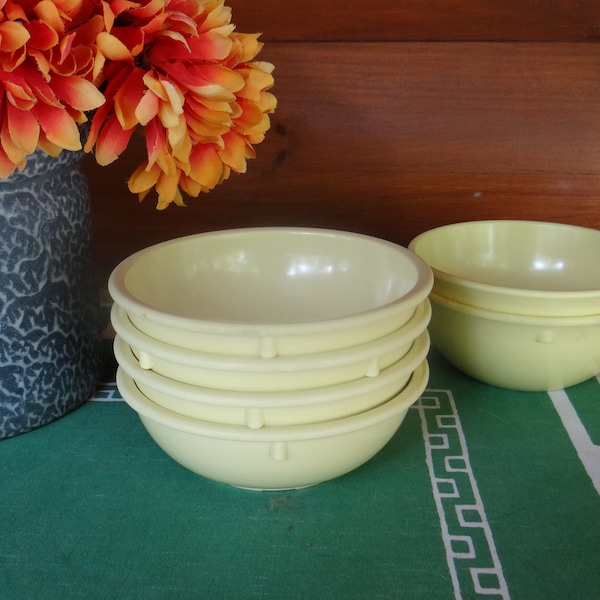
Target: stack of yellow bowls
{"x": 272, "y": 358}
{"x": 516, "y": 304}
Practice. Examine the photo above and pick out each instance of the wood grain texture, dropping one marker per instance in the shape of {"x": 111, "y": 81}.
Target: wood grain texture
{"x": 416, "y": 20}
{"x": 394, "y": 138}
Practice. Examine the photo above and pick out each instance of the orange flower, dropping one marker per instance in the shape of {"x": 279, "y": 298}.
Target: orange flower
{"x": 178, "y": 69}
{"x": 44, "y": 89}
{"x": 175, "y": 69}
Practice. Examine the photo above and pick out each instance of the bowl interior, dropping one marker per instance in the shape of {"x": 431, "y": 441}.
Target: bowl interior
{"x": 264, "y": 275}
{"x": 525, "y": 255}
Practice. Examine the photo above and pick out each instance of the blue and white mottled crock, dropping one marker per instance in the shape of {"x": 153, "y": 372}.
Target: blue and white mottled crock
{"x": 50, "y": 342}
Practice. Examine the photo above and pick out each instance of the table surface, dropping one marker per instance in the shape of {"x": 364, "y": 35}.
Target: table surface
{"x": 482, "y": 493}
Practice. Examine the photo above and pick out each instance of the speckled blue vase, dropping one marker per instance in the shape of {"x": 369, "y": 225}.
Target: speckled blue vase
{"x": 50, "y": 339}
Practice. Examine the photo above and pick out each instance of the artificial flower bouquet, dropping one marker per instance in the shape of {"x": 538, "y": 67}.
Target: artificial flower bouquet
{"x": 176, "y": 70}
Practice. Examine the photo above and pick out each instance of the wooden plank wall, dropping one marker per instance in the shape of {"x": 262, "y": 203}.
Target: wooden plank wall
{"x": 396, "y": 116}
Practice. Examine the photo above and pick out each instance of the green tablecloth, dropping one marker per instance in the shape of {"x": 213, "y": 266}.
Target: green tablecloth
{"x": 483, "y": 493}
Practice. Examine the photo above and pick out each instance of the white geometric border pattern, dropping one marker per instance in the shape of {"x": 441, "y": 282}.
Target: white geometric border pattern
{"x": 107, "y": 392}
{"x": 471, "y": 555}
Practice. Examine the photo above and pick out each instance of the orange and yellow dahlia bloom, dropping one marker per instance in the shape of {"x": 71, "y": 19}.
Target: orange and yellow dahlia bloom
{"x": 178, "y": 69}
{"x": 45, "y": 87}
{"x": 175, "y": 69}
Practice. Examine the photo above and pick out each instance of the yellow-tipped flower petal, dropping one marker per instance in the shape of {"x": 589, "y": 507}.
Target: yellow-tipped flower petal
{"x": 234, "y": 152}
{"x": 112, "y": 47}
{"x": 23, "y": 128}
{"x": 13, "y": 35}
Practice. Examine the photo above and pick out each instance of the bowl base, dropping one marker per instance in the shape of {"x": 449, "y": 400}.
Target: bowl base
{"x": 278, "y": 489}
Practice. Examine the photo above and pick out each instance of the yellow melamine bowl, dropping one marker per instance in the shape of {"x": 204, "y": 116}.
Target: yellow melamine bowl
{"x": 273, "y": 458}
{"x": 519, "y": 267}
{"x": 274, "y": 409}
{"x": 282, "y": 373}
{"x": 270, "y": 291}
{"x": 515, "y": 351}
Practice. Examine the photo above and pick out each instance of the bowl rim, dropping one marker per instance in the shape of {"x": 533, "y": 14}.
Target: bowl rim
{"x": 185, "y": 357}
{"x": 482, "y": 313}
{"x": 166, "y": 418}
{"x": 119, "y": 293}
{"x": 446, "y": 276}
{"x": 271, "y": 400}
